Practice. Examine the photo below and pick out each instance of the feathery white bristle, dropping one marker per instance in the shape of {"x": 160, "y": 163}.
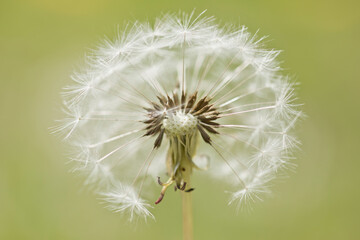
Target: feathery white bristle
{"x": 124, "y": 199}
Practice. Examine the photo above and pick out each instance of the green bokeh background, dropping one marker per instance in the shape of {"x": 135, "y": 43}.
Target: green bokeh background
{"x": 42, "y": 41}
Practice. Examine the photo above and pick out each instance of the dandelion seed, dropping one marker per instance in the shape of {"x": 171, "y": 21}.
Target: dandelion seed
{"x": 185, "y": 93}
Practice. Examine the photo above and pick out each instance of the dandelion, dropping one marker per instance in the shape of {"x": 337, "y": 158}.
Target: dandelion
{"x": 179, "y": 95}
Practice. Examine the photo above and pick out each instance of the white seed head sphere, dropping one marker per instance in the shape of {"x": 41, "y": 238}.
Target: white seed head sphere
{"x": 161, "y": 97}
{"x": 180, "y": 124}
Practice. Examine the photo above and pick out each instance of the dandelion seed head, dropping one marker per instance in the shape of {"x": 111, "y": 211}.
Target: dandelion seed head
{"x": 182, "y": 95}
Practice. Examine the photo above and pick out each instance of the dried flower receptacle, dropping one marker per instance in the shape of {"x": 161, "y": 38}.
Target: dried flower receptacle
{"x": 180, "y": 118}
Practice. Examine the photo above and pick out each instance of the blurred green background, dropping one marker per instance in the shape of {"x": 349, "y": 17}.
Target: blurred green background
{"x": 42, "y": 41}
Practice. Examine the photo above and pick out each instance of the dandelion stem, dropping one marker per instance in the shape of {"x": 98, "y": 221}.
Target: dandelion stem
{"x": 187, "y": 208}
